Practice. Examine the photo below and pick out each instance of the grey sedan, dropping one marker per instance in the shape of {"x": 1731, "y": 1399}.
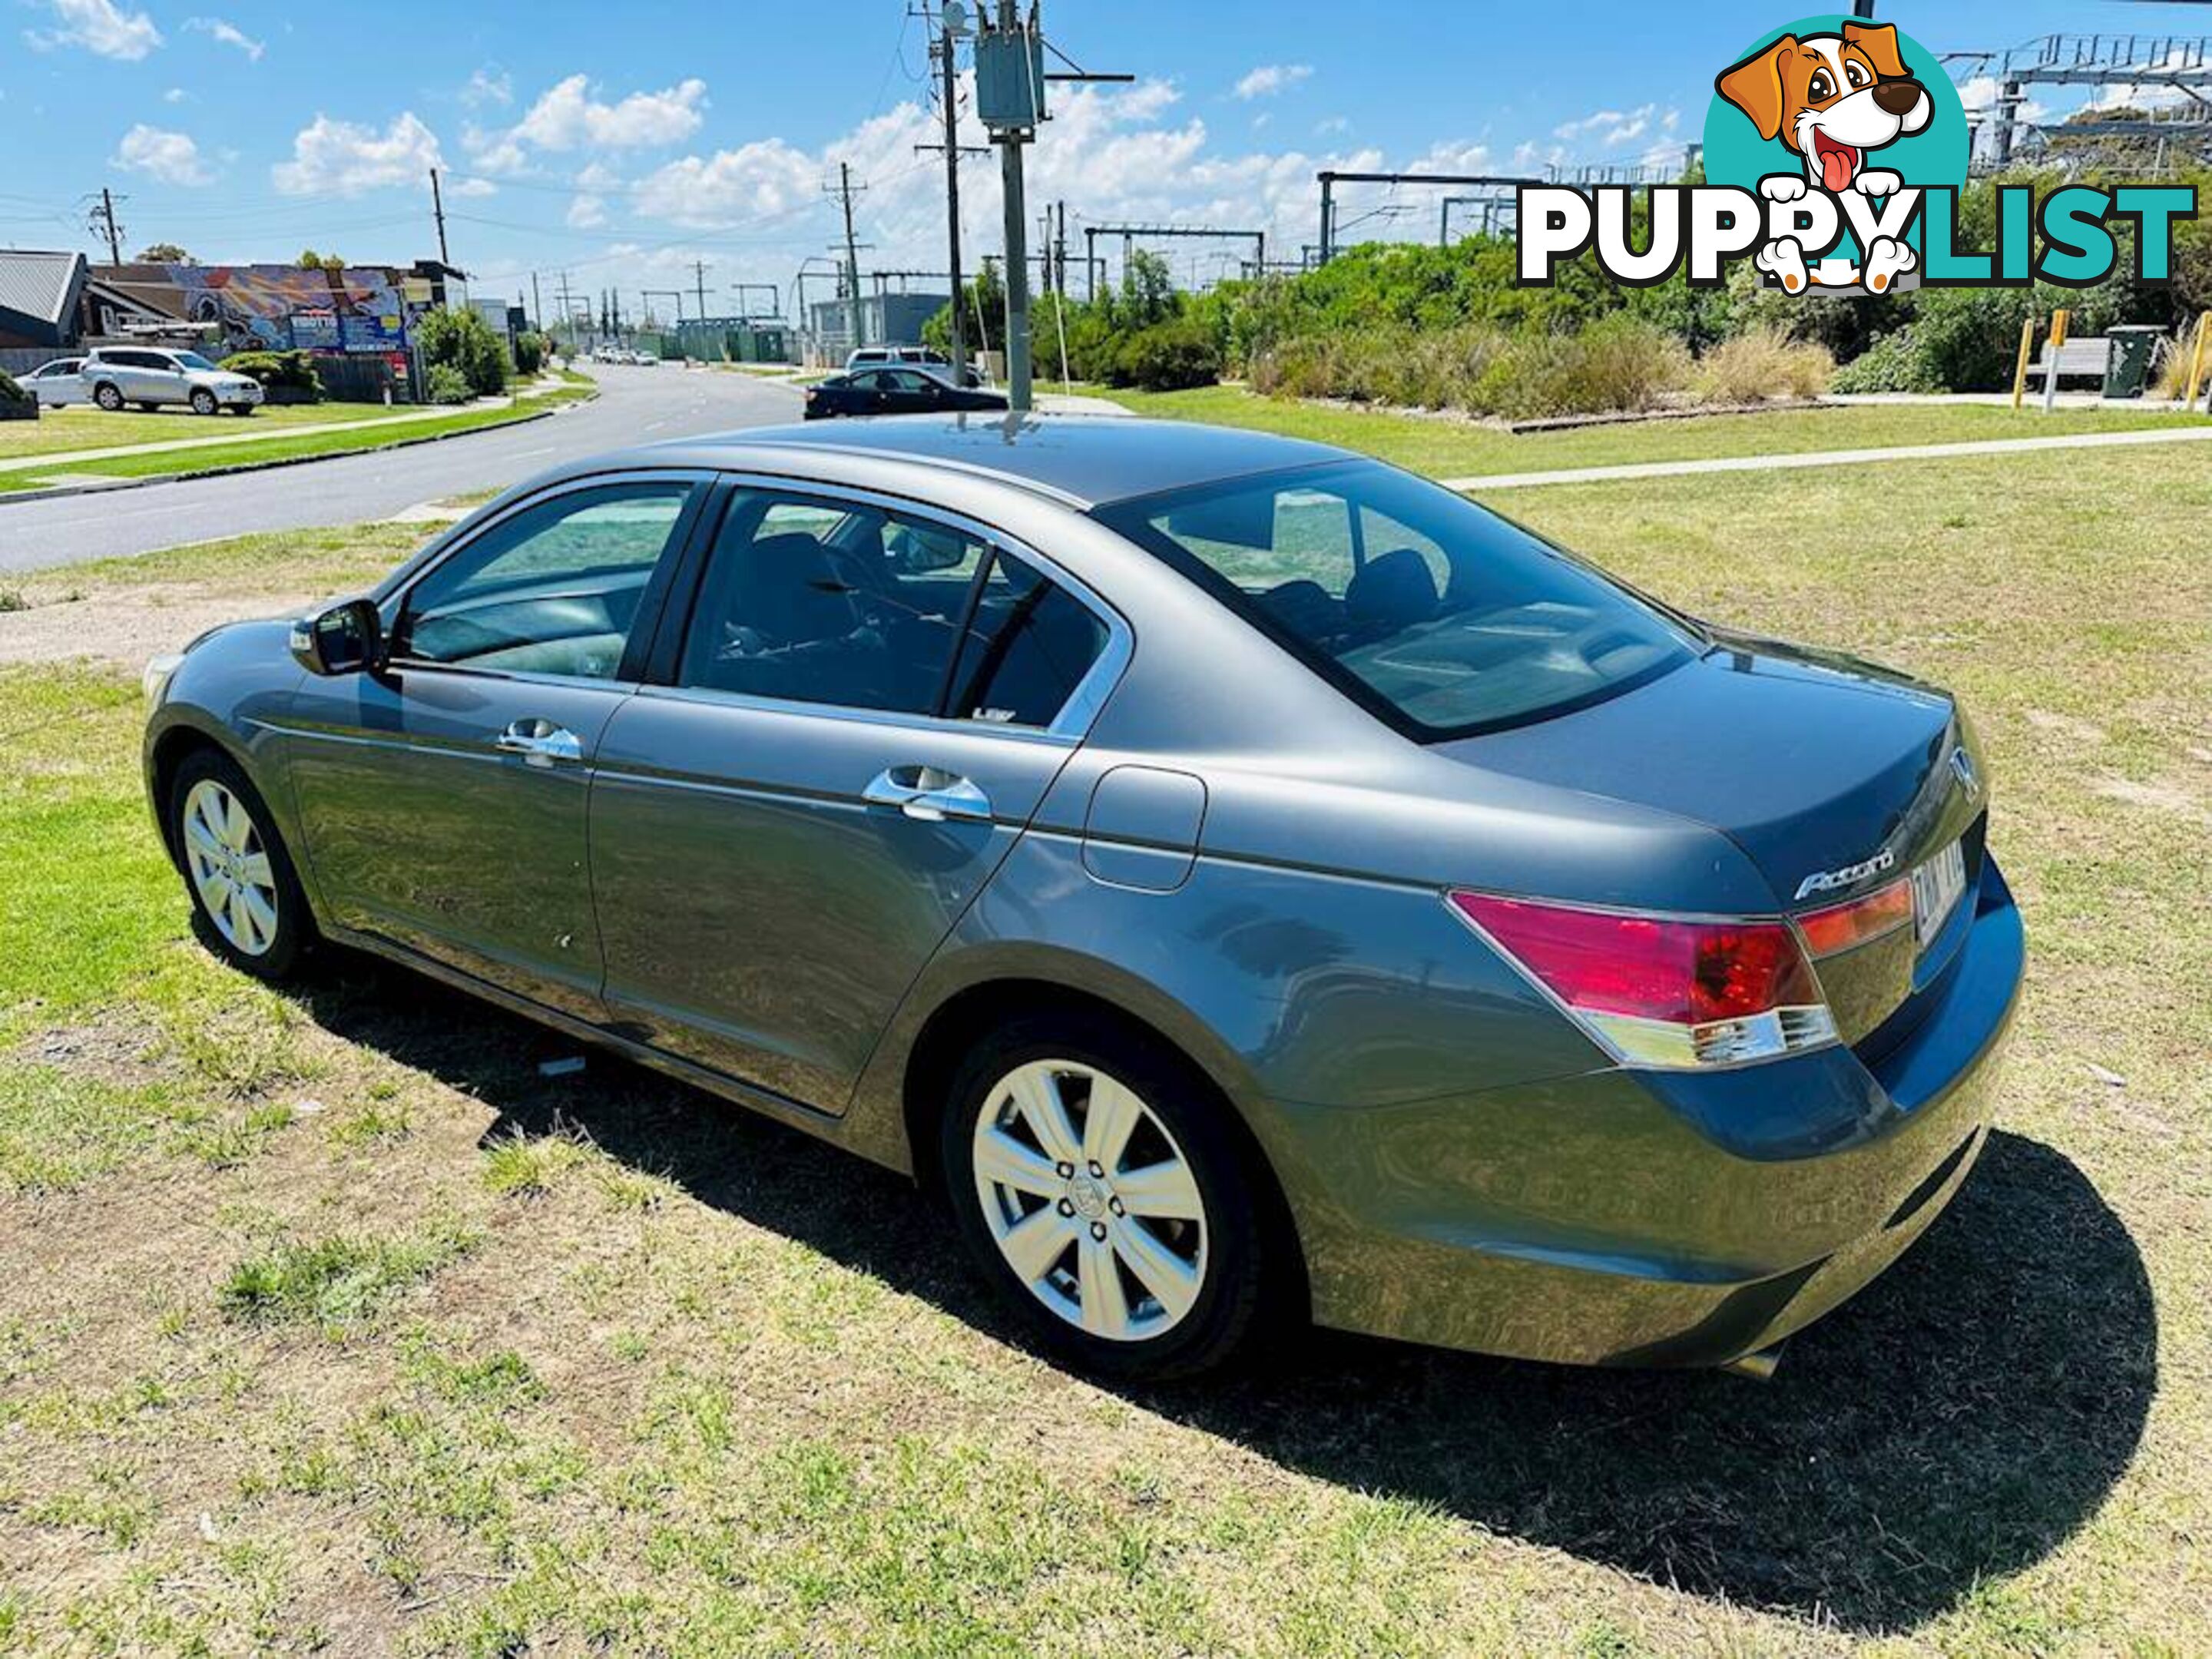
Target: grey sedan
{"x": 1246, "y": 884}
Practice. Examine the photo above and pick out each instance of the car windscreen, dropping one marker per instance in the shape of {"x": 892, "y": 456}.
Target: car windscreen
{"x": 193, "y": 359}
{"x": 1439, "y": 616}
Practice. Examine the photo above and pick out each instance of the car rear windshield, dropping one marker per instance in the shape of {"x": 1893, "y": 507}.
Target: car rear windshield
{"x": 1443, "y": 618}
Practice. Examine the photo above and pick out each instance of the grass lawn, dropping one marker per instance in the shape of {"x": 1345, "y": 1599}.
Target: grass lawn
{"x": 286, "y": 443}
{"x": 1448, "y": 448}
{"x": 82, "y": 427}
{"x": 331, "y": 1322}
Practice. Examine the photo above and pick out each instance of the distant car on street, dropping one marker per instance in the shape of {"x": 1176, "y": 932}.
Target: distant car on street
{"x": 56, "y": 385}
{"x": 906, "y": 390}
{"x": 151, "y": 377}
{"x": 928, "y": 358}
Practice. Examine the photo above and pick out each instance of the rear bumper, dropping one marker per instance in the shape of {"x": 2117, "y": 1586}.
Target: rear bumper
{"x": 1627, "y": 1217}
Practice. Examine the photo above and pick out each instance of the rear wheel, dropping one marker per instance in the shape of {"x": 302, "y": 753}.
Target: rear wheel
{"x": 1099, "y": 1186}
{"x": 108, "y": 397}
{"x": 243, "y": 889}
{"x": 204, "y": 401}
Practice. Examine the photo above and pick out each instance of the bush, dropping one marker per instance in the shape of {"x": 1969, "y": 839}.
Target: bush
{"x": 292, "y": 371}
{"x": 1764, "y": 363}
{"x": 1893, "y": 362}
{"x": 9, "y": 392}
{"x": 1616, "y": 363}
{"x": 447, "y": 384}
{"x": 529, "y": 353}
{"x": 1167, "y": 356}
{"x": 464, "y": 341}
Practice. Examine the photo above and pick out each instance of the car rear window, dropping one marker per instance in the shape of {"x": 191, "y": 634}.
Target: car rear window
{"x": 1438, "y": 615}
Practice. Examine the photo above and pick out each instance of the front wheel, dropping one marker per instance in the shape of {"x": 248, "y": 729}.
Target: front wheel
{"x": 204, "y": 401}
{"x": 1098, "y": 1184}
{"x": 109, "y": 398}
{"x": 245, "y": 892}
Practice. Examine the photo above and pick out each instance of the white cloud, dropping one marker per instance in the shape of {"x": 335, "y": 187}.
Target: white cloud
{"x": 467, "y": 186}
{"x": 587, "y": 212}
{"x": 228, "y": 33}
{"x": 567, "y": 117}
{"x": 98, "y": 26}
{"x": 343, "y": 158}
{"x": 488, "y": 85}
{"x": 168, "y": 158}
{"x": 1269, "y": 79}
{"x": 175, "y": 95}
{"x": 1613, "y": 127}
{"x": 1334, "y": 125}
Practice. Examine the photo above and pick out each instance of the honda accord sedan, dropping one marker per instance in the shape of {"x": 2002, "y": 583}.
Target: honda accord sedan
{"x": 1246, "y": 884}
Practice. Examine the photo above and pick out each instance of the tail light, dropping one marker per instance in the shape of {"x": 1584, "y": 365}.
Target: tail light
{"x": 1840, "y": 927}
{"x": 1661, "y": 990}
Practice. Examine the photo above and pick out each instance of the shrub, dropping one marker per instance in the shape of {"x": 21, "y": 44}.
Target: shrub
{"x": 529, "y": 353}
{"x": 290, "y": 370}
{"x": 9, "y": 392}
{"x": 447, "y": 385}
{"x": 1616, "y": 363}
{"x": 1893, "y": 362}
{"x": 462, "y": 341}
{"x": 1168, "y": 357}
{"x": 1764, "y": 363}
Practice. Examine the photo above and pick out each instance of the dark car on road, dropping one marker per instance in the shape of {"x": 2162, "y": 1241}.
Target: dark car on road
{"x": 903, "y": 389}
{"x": 1244, "y": 882}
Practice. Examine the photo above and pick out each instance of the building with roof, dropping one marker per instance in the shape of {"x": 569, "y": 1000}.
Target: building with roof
{"x": 39, "y": 295}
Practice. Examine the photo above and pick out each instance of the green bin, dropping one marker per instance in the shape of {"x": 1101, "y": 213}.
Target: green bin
{"x": 2127, "y": 370}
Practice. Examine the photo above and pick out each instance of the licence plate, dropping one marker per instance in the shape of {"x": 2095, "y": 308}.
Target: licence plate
{"x": 1936, "y": 886}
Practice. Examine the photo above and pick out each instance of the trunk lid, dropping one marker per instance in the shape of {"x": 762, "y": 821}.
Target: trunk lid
{"x": 1835, "y": 777}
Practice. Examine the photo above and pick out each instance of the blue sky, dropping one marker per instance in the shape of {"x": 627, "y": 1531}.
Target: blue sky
{"x": 622, "y": 142}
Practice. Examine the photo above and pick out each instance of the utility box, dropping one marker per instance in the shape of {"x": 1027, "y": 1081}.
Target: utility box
{"x": 2127, "y": 371}
{"x": 1010, "y": 79}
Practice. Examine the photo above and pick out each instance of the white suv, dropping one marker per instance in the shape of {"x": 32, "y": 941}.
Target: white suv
{"x": 116, "y": 375}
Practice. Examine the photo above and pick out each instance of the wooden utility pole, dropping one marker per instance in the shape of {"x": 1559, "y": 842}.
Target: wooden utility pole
{"x": 852, "y": 256}
{"x": 437, "y": 212}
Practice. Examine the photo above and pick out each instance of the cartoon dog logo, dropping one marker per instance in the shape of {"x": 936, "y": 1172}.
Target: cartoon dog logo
{"x": 1833, "y": 99}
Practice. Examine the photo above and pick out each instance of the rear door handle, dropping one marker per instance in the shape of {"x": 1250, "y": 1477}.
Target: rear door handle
{"x": 541, "y": 743}
{"x": 928, "y": 793}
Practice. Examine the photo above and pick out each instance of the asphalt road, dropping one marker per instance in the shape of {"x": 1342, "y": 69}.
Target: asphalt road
{"x": 635, "y": 405}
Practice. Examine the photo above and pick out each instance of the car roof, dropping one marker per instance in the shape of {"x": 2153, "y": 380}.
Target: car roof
{"x": 1085, "y": 459}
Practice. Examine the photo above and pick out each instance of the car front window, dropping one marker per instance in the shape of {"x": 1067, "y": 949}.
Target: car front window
{"x": 1438, "y": 615}
{"x": 192, "y": 359}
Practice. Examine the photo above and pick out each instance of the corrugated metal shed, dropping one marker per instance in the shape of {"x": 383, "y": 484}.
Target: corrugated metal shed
{"x": 39, "y": 293}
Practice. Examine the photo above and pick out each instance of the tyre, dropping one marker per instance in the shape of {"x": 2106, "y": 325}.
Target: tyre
{"x": 148, "y": 408}
{"x": 1097, "y": 1181}
{"x": 108, "y": 397}
{"x": 242, "y": 409}
{"x": 204, "y": 401}
{"x": 246, "y": 894}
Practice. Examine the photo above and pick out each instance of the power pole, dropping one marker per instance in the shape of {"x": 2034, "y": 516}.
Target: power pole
{"x": 1010, "y": 140}
{"x": 1059, "y": 251}
{"x": 103, "y": 220}
{"x": 568, "y": 313}
{"x": 437, "y": 212}
{"x": 699, "y": 279}
{"x": 953, "y": 25}
{"x": 843, "y": 189}
{"x": 537, "y": 306}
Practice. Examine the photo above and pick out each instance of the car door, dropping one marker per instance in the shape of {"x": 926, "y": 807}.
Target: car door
{"x": 912, "y": 392}
{"x": 785, "y": 826}
{"x": 442, "y": 800}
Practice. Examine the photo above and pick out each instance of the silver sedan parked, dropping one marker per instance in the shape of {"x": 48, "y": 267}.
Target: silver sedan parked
{"x": 1245, "y": 881}
{"x": 58, "y": 384}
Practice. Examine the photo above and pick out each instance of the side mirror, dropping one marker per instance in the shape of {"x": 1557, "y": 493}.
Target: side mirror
{"x": 346, "y": 639}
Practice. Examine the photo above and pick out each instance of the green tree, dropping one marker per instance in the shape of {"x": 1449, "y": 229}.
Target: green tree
{"x": 463, "y": 342}
{"x": 165, "y": 253}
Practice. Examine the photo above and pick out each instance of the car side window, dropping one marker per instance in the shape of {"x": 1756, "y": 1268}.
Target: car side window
{"x": 554, "y": 589}
{"x": 1029, "y": 645}
{"x": 811, "y": 601}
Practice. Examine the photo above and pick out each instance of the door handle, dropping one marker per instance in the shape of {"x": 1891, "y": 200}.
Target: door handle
{"x": 540, "y": 743}
{"x": 929, "y": 794}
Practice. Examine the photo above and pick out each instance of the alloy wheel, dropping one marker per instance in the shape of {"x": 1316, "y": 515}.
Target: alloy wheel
{"x": 230, "y": 868}
{"x": 1090, "y": 1199}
